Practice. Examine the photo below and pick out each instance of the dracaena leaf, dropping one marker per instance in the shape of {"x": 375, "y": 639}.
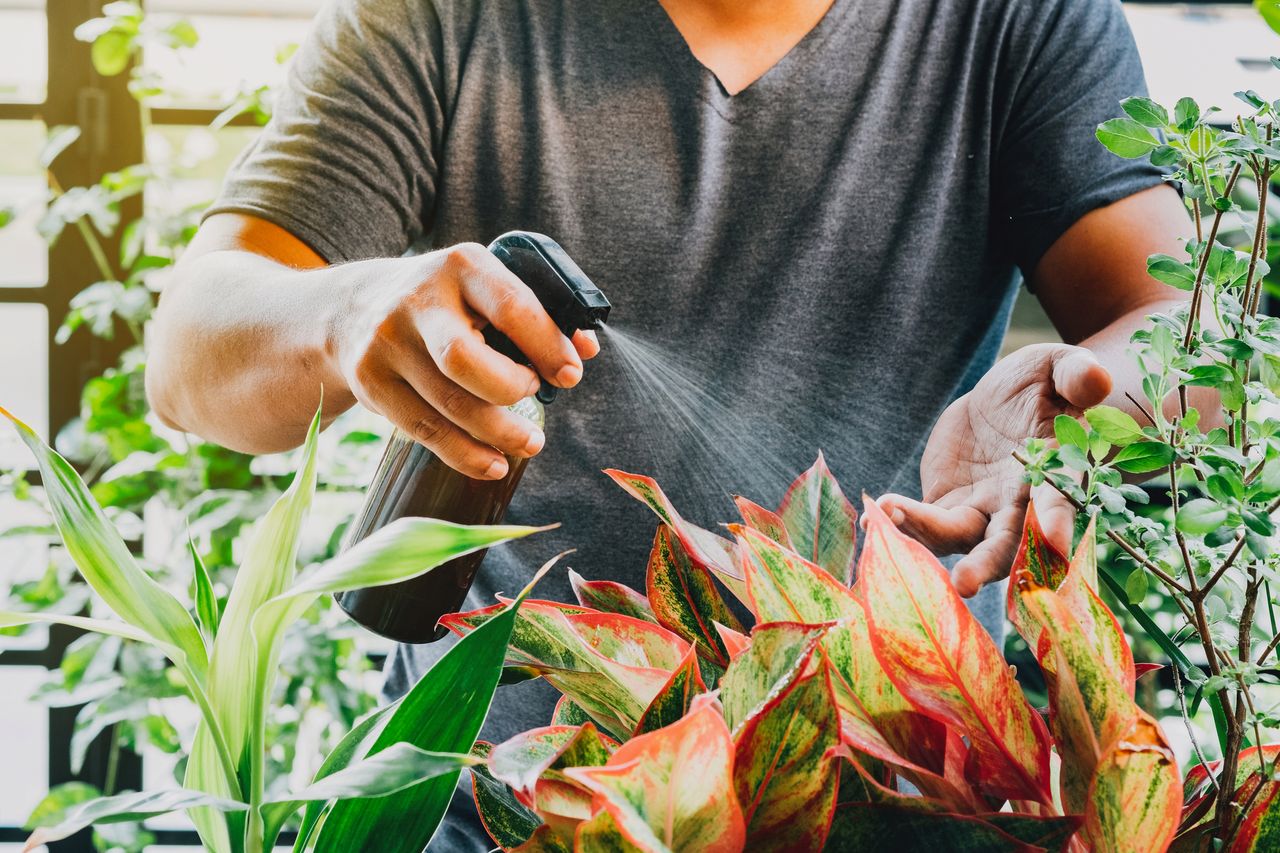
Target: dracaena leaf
{"x": 713, "y": 552}
{"x": 766, "y": 521}
{"x": 106, "y": 563}
{"x": 676, "y": 696}
{"x": 784, "y": 769}
{"x": 126, "y": 807}
{"x": 684, "y": 599}
{"x": 442, "y": 713}
{"x": 946, "y": 664}
{"x": 399, "y": 766}
{"x": 672, "y": 789}
{"x": 610, "y": 597}
{"x": 822, "y": 522}
{"x": 1136, "y": 798}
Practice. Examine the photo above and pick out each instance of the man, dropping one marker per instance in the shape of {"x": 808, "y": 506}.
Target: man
{"x": 840, "y": 192}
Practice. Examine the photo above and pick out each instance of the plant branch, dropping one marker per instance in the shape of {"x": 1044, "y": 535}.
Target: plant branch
{"x": 1198, "y": 290}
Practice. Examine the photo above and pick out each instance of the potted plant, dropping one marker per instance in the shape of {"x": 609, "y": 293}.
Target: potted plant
{"x": 393, "y": 774}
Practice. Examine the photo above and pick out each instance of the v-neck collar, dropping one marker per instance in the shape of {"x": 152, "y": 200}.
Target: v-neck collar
{"x": 786, "y": 72}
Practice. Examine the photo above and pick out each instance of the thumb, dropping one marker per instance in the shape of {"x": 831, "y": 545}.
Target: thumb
{"x": 1079, "y": 378}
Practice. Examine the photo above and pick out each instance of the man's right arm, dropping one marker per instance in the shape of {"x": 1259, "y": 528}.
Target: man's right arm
{"x": 253, "y": 325}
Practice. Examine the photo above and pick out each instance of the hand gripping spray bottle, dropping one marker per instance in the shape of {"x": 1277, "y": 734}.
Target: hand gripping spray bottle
{"x": 412, "y": 481}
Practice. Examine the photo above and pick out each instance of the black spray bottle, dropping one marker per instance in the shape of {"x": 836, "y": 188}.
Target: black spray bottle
{"x": 413, "y": 481}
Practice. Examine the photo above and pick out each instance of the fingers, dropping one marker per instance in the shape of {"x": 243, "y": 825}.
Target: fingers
{"x": 1079, "y": 378}
{"x": 400, "y": 404}
{"x": 460, "y": 352}
{"x": 493, "y": 425}
{"x": 586, "y": 343}
{"x": 993, "y": 556}
{"x": 1057, "y": 516}
{"x": 497, "y": 295}
{"x": 943, "y": 530}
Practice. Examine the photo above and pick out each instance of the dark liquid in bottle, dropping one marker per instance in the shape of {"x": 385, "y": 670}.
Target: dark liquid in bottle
{"x": 412, "y": 481}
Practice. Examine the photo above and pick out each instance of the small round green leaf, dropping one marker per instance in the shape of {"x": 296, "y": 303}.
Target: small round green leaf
{"x": 1069, "y": 432}
{"x": 1115, "y": 426}
{"x": 1145, "y": 112}
{"x": 1143, "y": 457}
{"x": 1201, "y": 516}
{"x": 1135, "y": 588}
{"x": 1126, "y": 138}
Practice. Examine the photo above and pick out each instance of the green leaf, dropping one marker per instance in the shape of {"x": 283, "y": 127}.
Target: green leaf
{"x": 1171, "y": 271}
{"x": 821, "y": 521}
{"x": 1115, "y": 426}
{"x": 1136, "y": 586}
{"x": 1270, "y": 12}
{"x": 399, "y": 766}
{"x": 106, "y": 563}
{"x": 1146, "y": 112}
{"x": 443, "y": 713}
{"x": 1142, "y": 457}
{"x": 1201, "y": 516}
{"x": 1126, "y": 138}
{"x": 208, "y": 613}
{"x": 508, "y": 821}
{"x": 61, "y": 799}
{"x": 1069, "y": 432}
{"x": 128, "y": 807}
{"x": 354, "y": 744}
{"x": 1185, "y": 115}
{"x": 111, "y": 52}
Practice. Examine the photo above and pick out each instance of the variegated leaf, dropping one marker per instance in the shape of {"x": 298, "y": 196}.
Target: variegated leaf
{"x": 822, "y": 522}
{"x": 602, "y": 834}
{"x": 1090, "y": 709}
{"x": 713, "y": 552}
{"x": 783, "y": 767}
{"x": 568, "y": 713}
{"x": 672, "y": 789}
{"x": 610, "y": 597}
{"x": 1079, "y": 592}
{"x": 945, "y": 663}
{"x": 778, "y": 655}
{"x": 766, "y": 521}
{"x": 684, "y": 598}
{"x": 1136, "y": 799}
{"x": 546, "y": 839}
{"x": 676, "y": 696}
{"x": 735, "y": 642}
{"x": 1039, "y": 564}
{"x": 521, "y": 760}
{"x": 508, "y": 821}
{"x": 1259, "y": 830}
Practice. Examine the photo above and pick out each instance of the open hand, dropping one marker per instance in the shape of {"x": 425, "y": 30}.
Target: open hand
{"x": 975, "y": 497}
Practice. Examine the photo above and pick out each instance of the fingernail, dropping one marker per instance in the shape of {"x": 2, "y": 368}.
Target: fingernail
{"x": 568, "y": 375}
{"x": 497, "y": 469}
{"x": 537, "y": 439}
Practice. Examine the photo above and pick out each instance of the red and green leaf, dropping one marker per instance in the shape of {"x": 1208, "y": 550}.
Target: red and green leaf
{"x": 1259, "y": 830}
{"x": 522, "y": 760}
{"x": 676, "y": 696}
{"x": 766, "y": 521}
{"x": 673, "y": 788}
{"x": 777, "y": 657}
{"x": 684, "y": 598}
{"x": 1136, "y": 799}
{"x": 713, "y": 552}
{"x": 735, "y": 642}
{"x": 1090, "y": 709}
{"x": 1038, "y": 564}
{"x": 945, "y": 663}
{"x": 784, "y": 769}
{"x": 610, "y": 597}
{"x": 602, "y": 834}
{"x": 508, "y": 821}
{"x": 1079, "y": 591}
{"x": 823, "y": 523}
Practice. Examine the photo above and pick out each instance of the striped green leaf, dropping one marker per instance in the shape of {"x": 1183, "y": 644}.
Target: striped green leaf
{"x": 126, "y": 807}
{"x": 676, "y": 696}
{"x": 822, "y": 522}
{"x": 610, "y": 597}
{"x": 684, "y": 598}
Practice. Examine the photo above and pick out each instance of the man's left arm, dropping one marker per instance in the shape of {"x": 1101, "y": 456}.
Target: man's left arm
{"x": 1093, "y": 284}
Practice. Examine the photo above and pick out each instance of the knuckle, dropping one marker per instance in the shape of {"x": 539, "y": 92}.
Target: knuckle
{"x": 431, "y": 430}
{"x": 451, "y": 356}
{"x": 464, "y": 257}
{"x": 454, "y": 401}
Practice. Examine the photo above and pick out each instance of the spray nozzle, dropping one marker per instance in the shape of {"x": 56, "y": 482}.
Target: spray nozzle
{"x": 572, "y": 299}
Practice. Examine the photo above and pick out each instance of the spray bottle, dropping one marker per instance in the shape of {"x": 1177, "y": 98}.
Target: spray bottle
{"x": 413, "y": 481}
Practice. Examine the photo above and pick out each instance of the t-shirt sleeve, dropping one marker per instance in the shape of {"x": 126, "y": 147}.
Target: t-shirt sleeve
{"x": 1065, "y": 66}
{"x": 348, "y": 162}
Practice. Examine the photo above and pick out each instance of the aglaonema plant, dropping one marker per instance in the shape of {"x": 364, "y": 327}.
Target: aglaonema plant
{"x": 387, "y": 783}
{"x": 1213, "y": 552}
{"x": 682, "y": 729}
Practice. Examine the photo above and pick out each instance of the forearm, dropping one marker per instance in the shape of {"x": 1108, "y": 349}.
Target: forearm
{"x": 241, "y": 347}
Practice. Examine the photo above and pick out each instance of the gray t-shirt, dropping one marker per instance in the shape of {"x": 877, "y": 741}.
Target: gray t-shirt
{"x": 835, "y": 249}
